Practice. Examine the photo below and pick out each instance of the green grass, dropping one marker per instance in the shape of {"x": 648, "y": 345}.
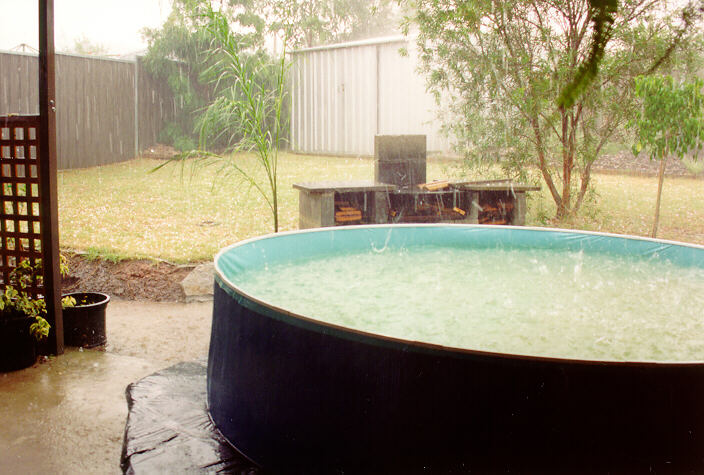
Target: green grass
{"x": 124, "y": 211}
{"x": 626, "y": 204}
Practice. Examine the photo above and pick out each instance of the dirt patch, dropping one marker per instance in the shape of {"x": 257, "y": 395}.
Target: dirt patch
{"x": 129, "y": 279}
{"x": 159, "y": 151}
{"x": 625, "y": 162}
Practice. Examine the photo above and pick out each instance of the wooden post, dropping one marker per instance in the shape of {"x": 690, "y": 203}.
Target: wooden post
{"x": 519, "y": 210}
{"x": 136, "y": 106}
{"x": 472, "y": 216}
{"x": 48, "y": 177}
{"x": 380, "y": 207}
{"x": 316, "y": 209}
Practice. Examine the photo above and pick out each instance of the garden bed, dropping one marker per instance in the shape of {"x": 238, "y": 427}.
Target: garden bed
{"x": 129, "y": 279}
{"x": 624, "y": 162}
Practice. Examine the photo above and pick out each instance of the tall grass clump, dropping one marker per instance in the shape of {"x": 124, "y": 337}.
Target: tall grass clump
{"x": 246, "y": 113}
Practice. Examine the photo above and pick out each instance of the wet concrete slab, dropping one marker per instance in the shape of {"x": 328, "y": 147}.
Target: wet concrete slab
{"x": 67, "y": 414}
{"x": 159, "y": 331}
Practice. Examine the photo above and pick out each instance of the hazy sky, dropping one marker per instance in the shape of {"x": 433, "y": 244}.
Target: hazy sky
{"x": 115, "y": 24}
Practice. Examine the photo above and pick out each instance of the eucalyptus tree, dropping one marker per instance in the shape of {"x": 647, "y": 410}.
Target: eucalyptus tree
{"x": 84, "y": 46}
{"x": 309, "y": 23}
{"x": 670, "y": 123}
{"x": 306, "y": 23}
{"x": 501, "y": 68}
{"x": 602, "y": 16}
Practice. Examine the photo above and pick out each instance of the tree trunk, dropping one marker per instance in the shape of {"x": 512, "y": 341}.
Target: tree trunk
{"x": 276, "y": 210}
{"x": 563, "y": 210}
{"x": 661, "y": 178}
{"x": 542, "y": 163}
{"x": 584, "y": 186}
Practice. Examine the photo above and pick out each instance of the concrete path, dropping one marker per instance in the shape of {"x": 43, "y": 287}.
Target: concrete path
{"x": 67, "y": 414}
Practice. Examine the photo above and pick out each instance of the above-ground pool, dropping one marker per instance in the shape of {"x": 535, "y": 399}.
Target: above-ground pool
{"x": 459, "y": 347}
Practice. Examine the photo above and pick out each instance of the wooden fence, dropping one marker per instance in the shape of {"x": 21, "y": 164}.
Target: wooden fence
{"x": 103, "y": 115}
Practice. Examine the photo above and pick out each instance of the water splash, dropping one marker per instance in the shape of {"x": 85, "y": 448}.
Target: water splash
{"x": 579, "y": 258}
{"x": 386, "y": 242}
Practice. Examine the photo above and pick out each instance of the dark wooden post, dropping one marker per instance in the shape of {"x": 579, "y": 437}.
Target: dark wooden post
{"x": 48, "y": 177}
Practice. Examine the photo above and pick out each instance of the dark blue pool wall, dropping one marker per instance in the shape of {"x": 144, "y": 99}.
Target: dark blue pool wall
{"x": 298, "y": 395}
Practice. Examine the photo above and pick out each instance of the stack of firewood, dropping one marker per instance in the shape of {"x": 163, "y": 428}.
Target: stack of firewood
{"x": 497, "y": 213}
{"x": 347, "y": 213}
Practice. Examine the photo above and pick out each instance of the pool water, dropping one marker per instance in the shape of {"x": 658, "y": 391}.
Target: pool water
{"x": 565, "y": 304}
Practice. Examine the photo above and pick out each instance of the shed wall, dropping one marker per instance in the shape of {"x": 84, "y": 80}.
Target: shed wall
{"x": 344, "y": 95}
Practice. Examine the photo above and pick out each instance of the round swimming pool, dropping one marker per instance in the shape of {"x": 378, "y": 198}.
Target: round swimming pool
{"x": 459, "y": 347}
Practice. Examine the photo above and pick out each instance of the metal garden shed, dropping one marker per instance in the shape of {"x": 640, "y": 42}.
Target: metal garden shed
{"x": 345, "y": 94}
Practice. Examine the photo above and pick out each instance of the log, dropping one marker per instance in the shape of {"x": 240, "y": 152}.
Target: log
{"x": 491, "y": 220}
{"x": 434, "y": 185}
{"x": 347, "y": 216}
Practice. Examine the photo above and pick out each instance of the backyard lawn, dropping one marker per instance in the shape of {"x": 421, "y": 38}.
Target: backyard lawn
{"x": 625, "y": 204}
{"x": 176, "y": 214}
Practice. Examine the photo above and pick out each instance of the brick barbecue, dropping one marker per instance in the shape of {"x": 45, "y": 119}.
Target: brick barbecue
{"x": 400, "y": 193}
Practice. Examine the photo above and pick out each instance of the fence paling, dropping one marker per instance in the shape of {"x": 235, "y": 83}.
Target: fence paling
{"x": 98, "y": 101}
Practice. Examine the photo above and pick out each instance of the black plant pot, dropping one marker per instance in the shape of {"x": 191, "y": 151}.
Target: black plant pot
{"x": 17, "y": 346}
{"x": 84, "y": 324}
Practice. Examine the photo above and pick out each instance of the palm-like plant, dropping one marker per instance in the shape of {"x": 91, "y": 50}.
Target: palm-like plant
{"x": 247, "y": 112}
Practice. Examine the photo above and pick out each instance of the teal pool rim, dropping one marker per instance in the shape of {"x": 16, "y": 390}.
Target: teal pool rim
{"x": 684, "y": 250}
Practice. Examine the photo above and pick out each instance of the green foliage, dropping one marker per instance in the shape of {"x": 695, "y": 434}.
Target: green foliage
{"x": 63, "y": 265}
{"x": 314, "y": 22}
{"x": 180, "y": 139}
{"x": 671, "y": 120}
{"x": 694, "y": 167}
{"x": 16, "y": 300}
{"x": 68, "y": 302}
{"x": 95, "y": 253}
{"x": 602, "y": 13}
{"x": 499, "y": 68}
{"x": 179, "y": 54}
{"x": 670, "y": 123}
{"x": 83, "y": 46}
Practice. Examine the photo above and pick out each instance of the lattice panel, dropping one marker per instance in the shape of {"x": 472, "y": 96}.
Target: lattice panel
{"x": 19, "y": 195}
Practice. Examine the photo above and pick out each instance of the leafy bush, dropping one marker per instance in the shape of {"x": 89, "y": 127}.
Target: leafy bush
{"x": 16, "y": 301}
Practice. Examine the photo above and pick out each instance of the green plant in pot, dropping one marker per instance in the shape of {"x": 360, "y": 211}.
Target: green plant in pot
{"x": 84, "y": 318}
{"x": 22, "y": 321}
